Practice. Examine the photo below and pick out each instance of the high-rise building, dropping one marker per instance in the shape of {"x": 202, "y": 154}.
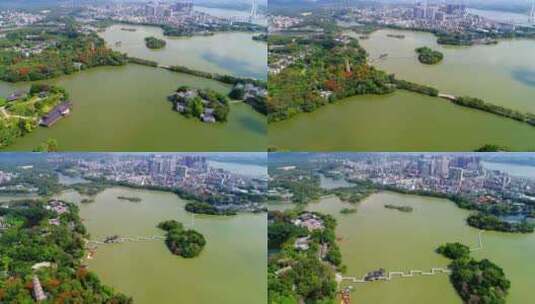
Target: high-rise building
{"x": 182, "y": 7}
{"x": 532, "y": 13}
{"x": 419, "y": 12}
{"x": 150, "y": 10}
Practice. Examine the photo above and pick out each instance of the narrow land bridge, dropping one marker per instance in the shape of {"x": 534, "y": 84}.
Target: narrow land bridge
{"x": 410, "y": 274}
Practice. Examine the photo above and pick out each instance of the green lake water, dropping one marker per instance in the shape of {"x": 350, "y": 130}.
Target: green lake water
{"x": 503, "y": 74}
{"x": 402, "y": 121}
{"x": 126, "y": 109}
{"x": 231, "y": 268}
{"x": 377, "y": 237}
{"x": 234, "y": 53}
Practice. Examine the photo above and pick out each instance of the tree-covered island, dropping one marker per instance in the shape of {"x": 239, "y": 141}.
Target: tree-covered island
{"x": 428, "y": 56}
{"x": 42, "y": 245}
{"x": 251, "y": 91}
{"x": 406, "y": 209}
{"x": 209, "y": 209}
{"x": 38, "y": 53}
{"x": 131, "y": 199}
{"x": 476, "y": 282}
{"x": 22, "y": 112}
{"x": 204, "y": 104}
{"x": 182, "y": 242}
{"x": 154, "y": 43}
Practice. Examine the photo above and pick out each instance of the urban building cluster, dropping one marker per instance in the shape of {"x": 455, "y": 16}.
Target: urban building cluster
{"x": 450, "y": 18}
{"x": 6, "y": 177}
{"x": 189, "y": 174}
{"x": 280, "y": 23}
{"x": 466, "y": 176}
{"x": 10, "y": 184}
{"x": 13, "y": 18}
{"x": 181, "y": 14}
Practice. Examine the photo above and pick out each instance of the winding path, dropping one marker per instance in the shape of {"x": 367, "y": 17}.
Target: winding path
{"x": 7, "y": 115}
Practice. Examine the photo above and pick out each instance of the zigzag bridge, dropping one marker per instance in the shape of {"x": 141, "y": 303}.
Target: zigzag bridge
{"x": 381, "y": 275}
{"x": 111, "y": 240}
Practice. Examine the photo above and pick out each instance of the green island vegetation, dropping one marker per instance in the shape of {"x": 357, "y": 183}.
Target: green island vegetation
{"x": 353, "y": 194}
{"x": 182, "y": 32}
{"x": 130, "y": 199}
{"x": 37, "y": 53}
{"x": 429, "y": 56}
{"x": 406, "y": 209}
{"x": 23, "y": 112}
{"x": 455, "y": 39}
{"x": 89, "y": 189}
{"x": 396, "y": 36}
{"x": 475, "y": 281}
{"x": 492, "y": 148}
{"x": 206, "y": 208}
{"x": 241, "y": 89}
{"x": 295, "y": 273}
{"x": 50, "y": 145}
{"x": 348, "y": 210}
{"x": 260, "y": 37}
{"x": 204, "y": 104}
{"x": 154, "y": 43}
{"x": 492, "y": 222}
{"x": 181, "y": 242}
{"x": 42, "y": 252}
{"x": 305, "y": 186}
{"x": 87, "y": 201}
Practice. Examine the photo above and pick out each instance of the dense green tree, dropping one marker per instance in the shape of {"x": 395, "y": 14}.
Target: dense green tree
{"x": 185, "y": 243}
